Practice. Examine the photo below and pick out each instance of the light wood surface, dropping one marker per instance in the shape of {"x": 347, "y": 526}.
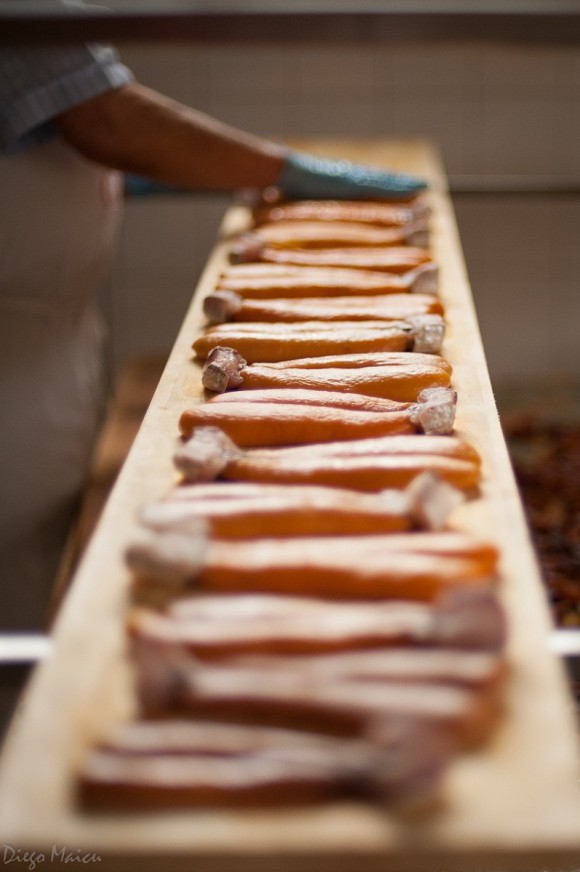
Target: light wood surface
{"x": 514, "y": 805}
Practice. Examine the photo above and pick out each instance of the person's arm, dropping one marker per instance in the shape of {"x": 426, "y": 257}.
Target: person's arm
{"x": 142, "y": 132}
{"x": 137, "y": 130}
{"x": 88, "y": 97}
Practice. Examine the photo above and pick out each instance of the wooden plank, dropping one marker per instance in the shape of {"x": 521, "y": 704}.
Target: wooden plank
{"x": 511, "y": 805}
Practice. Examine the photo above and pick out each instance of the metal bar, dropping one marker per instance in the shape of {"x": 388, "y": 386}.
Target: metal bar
{"x": 466, "y": 7}
{"x": 565, "y": 643}
{"x": 23, "y": 648}
{"x": 250, "y": 23}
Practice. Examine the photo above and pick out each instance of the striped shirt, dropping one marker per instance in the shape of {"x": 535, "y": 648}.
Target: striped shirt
{"x": 39, "y": 83}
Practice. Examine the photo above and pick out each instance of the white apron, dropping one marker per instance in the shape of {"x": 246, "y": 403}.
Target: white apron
{"x": 58, "y": 222}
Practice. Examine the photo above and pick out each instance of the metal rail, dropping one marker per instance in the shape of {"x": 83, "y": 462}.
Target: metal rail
{"x": 298, "y": 20}
{"x": 34, "y": 647}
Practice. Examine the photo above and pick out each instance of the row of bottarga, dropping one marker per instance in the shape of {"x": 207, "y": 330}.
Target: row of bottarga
{"x": 306, "y": 626}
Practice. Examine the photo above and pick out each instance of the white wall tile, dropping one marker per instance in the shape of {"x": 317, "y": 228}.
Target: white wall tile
{"x": 337, "y": 117}
{"x": 519, "y": 137}
{"x": 566, "y": 120}
{"x": 520, "y": 72}
{"x": 423, "y": 71}
{"x": 525, "y": 337}
{"x": 252, "y": 73}
{"x": 339, "y": 72}
{"x": 146, "y": 322}
{"x": 439, "y": 120}
{"x": 159, "y": 240}
{"x": 274, "y": 118}
{"x": 166, "y": 68}
{"x": 523, "y": 258}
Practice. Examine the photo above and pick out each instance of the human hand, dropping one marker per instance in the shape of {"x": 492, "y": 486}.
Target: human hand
{"x": 304, "y": 176}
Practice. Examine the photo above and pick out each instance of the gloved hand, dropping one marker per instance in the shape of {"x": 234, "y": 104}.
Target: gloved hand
{"x": 305, "y": 177}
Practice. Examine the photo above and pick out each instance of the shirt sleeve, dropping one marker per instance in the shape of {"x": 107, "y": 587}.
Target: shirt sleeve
{"x": 39, "y": 83}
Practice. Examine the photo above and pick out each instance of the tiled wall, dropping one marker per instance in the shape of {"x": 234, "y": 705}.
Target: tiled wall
{"x": 499, "y": 114}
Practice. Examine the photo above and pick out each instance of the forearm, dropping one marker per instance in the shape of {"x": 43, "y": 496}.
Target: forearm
{"x": 137, "y": 130}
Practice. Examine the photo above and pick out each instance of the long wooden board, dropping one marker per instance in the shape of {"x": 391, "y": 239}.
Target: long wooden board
{"x": 515, "y": 805}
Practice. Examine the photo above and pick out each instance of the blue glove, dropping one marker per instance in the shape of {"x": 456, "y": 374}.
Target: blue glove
{"x": 306, "y": 177}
